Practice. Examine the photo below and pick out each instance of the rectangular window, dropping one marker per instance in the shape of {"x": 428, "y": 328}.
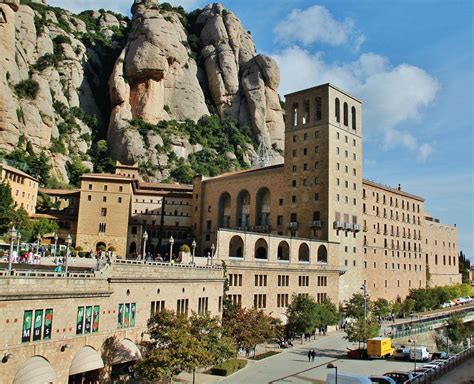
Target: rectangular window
{"x": 89, "y": 197}
{"x": 182, "y": 307}
{"x": 104, "y": 199}
{"x": 90, "y": 187}
{"x": 103, "y": 211}
{"x": 119, "y": 200}
{"x": 105, "y": 187}
{"x": 203, "y": 304}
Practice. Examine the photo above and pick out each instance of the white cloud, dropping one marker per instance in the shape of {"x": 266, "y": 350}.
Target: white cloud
{"x": 316, "y": 24}
{"x": 391, "y": 94}
{"x": 120, "y": 6}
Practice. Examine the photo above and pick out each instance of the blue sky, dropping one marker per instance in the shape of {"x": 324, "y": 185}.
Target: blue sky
{"x": 409, "y": 61}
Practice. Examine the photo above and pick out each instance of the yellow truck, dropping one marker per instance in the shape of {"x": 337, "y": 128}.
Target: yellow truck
{"x": 380, "y": 347}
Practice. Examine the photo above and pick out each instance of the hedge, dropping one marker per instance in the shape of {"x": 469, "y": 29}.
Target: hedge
{"x": 228, "y": 367}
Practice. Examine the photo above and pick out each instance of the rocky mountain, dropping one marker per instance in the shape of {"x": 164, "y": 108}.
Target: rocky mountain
{"x": 177, "y": 92}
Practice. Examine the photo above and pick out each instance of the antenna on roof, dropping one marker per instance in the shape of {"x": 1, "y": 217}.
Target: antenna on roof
{"x": 263, "y": 157}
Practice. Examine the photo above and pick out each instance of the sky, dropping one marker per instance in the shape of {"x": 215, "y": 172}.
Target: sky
{"x": 411, "y": 64}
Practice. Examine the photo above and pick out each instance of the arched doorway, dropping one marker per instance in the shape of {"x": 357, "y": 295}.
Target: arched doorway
{"x": 283, "y": 251}
{"x": 35, "y": 370}
{"x": 85, "y": 367}
{"x": 322, "y": 254}
{"x": 125, "y": 355}
{"x": 263, "y": 204}
{"x": 224, "y": 211}
{"x": 236, "y": 247}
{"x": 243, "y": 209}
{"x": 100, "y": 246}
{"x": 303, "y": 253}
{"x": 261, "y": 249}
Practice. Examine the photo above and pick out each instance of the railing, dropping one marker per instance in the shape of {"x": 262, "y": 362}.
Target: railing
{"x": 164, "y": 264}
{"x": 45, "y": 274}
{"x": 449, "y": 365}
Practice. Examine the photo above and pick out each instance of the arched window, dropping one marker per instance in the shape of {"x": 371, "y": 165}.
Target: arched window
{"x": 263, "y": 207}
{"x": 305, "y": 117}
{"x": 261, "y": 248}
{"x": 294, "y": 115}
{"x": 338, "y": 110}
{"x": 318, "y": 113}
{"x": 224, "y": 211}
{"x": 243, "y": 209}
{"x": 354, "y": 118}
{"x": 283, "y": 251}
{"x": 322, "y": 254}
{"x": 236, "y": 246}
{"x": 303, "y": 253}
{"x": 346, "y": 114}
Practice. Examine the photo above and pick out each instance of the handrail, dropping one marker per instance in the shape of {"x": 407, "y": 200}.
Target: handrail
{"x": 164, "y": 264}
{"x": 44, "y": 274}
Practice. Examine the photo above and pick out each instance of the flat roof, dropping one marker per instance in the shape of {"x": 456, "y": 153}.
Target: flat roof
{"x": 57, "y": 191}
{"x": 321, "y": 86}
{"x": 108, "y": 176}
{"x": 246, "y": 171}
{"x": 17, "y": 171}
{"x": 164, "y": 186}
{"x": 393, "y": 190}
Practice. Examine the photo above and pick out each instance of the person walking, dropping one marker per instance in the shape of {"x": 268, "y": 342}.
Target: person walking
{"x": 309, "y": 355}
{"x": 313, "y": 354}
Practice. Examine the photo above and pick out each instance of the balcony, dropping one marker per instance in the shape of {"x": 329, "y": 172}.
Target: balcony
{"x": 262, "y": 228}
{"x": 348, "y": 226}
{"x": 293, "y": 225}
{"x": 338, "y": 225}
{"x": 316, "y": 224}
{"x": 356, "y": 227}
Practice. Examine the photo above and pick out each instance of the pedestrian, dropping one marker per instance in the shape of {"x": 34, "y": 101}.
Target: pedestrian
{"x": 309, "y": 355}
{"x": 313, "y": 354}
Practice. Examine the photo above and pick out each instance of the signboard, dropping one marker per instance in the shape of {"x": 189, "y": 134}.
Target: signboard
{"x": 126, "y": 317}
{"x": 133, "y": 311}
{"x": 38, "y": 324}
{"x": 80, "y": 321}
{"x": 95, "y": 319}
{"x": 27, "y": 323}
{"x": 88, "y": 322}
{"x": 120, "y": 316}
{"x": 48, "y": 324}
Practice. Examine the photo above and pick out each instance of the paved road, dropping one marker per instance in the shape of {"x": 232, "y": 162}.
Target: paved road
{"x": 292, "y": 366}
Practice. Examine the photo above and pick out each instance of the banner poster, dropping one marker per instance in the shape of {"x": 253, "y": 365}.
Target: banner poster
{"x": 95, "y": 319}
{"x": 120, "y": 316}
{"x": 133, "y": 311}
{"x": 27, "y": 323}
{"x": 48, "y": 324}
{"x": 88, "y": 322}
{"x": 80, "y": 320}
{"x": 38, "y": 324}
{"x": 126, "y": 317}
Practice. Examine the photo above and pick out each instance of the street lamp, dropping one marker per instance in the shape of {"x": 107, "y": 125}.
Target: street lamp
{"x": 68, "y": 243}
{"x": 55, "y": 243}
{"x": 332, "y": 366}
{"x": 213, "y": 247}
{"x": 18, "y": 244}
{"x": 413, "y": 341}
{"x": 39, "y": 243}
{"x": 364, "y": 288}
{"x": 171, "y": 249}
{"x": 145, "y": 238}
{"x": 12, "y": 232}
{"x": 193, "y": 245}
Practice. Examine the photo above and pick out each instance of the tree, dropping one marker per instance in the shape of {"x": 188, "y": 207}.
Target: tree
{"x": 464, "y": 267}
{"x": 354, "y": 308}
{"x": 456, "y": 330}
{"x": 179, "y": 344}
{"x": 22, "y": 223}
{"x": 396, "y": 307}
{"x": 408, "y": 306}
{"x": 381, "y": 307}
{"x": 6, "y": 206}
{"x": 45, "y": 203}
{"x": 42, "y": 227}
{"x": 326, "y": 314}
{"x": 359, "y": 331}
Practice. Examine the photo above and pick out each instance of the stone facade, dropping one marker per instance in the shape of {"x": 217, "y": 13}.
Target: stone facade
{"x": 125, "y": 282}
{"x": 24, "y": 187}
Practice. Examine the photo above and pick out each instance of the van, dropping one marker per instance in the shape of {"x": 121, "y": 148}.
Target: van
{"x": 420, "y": 353}
{"x": 347, "y": 378}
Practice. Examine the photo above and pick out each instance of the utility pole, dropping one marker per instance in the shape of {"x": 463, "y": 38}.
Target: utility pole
{"x": 162, "y": 223}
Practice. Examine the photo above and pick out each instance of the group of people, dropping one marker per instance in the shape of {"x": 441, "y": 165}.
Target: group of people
{"x": 28, "y": 257}
{"x": 311, "y": 355}
{"x": 285, "y": 342}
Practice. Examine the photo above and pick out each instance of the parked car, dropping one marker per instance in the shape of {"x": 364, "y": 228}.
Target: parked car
{"x": 357, "y": 353}
{"x": 419, "y": 353}
{"x": 399, "y": 376}
{"x": 434, "y": 367}
{"x": 382, "y": 380}
{"x": 421, "y": 371}
{"x": 439, "y": 363}
{"x": 447, "y": 305}
{"x": 402, "y": 353}
{"x": 439, "y": 355}
{"x": 347, "y": 378}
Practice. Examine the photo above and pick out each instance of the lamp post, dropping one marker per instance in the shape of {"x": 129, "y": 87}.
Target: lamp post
{"x": 414, "y": 349}
{"x": 12, "y": 232}
{"x": 145, "y": 238}
{"x": 68, "y": 243}
{"x": 213, "y": 247}
{"x": 364, "y": 288}
{"x": 332, "y": 366}
{"x": 193, "y": 245}
{"x": 39, "y": 243}
{"x": 55, "y": 244}
{"x": 18, "y": 244}
{"x": 171, "y": 249}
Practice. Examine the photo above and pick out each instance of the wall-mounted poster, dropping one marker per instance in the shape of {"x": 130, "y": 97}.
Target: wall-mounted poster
{"x": 88, "y": 322}
{"x": 80, "y": 321}
{"x": 126, "y": 317}
{"x": 48, "y": 324}
{"x": 27, "y": 323}
{"x": 120, "y": 316}
{"x": 133, "y": 311}
{"x": 38, "y": 324}
{"x": 95, "y": 319}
